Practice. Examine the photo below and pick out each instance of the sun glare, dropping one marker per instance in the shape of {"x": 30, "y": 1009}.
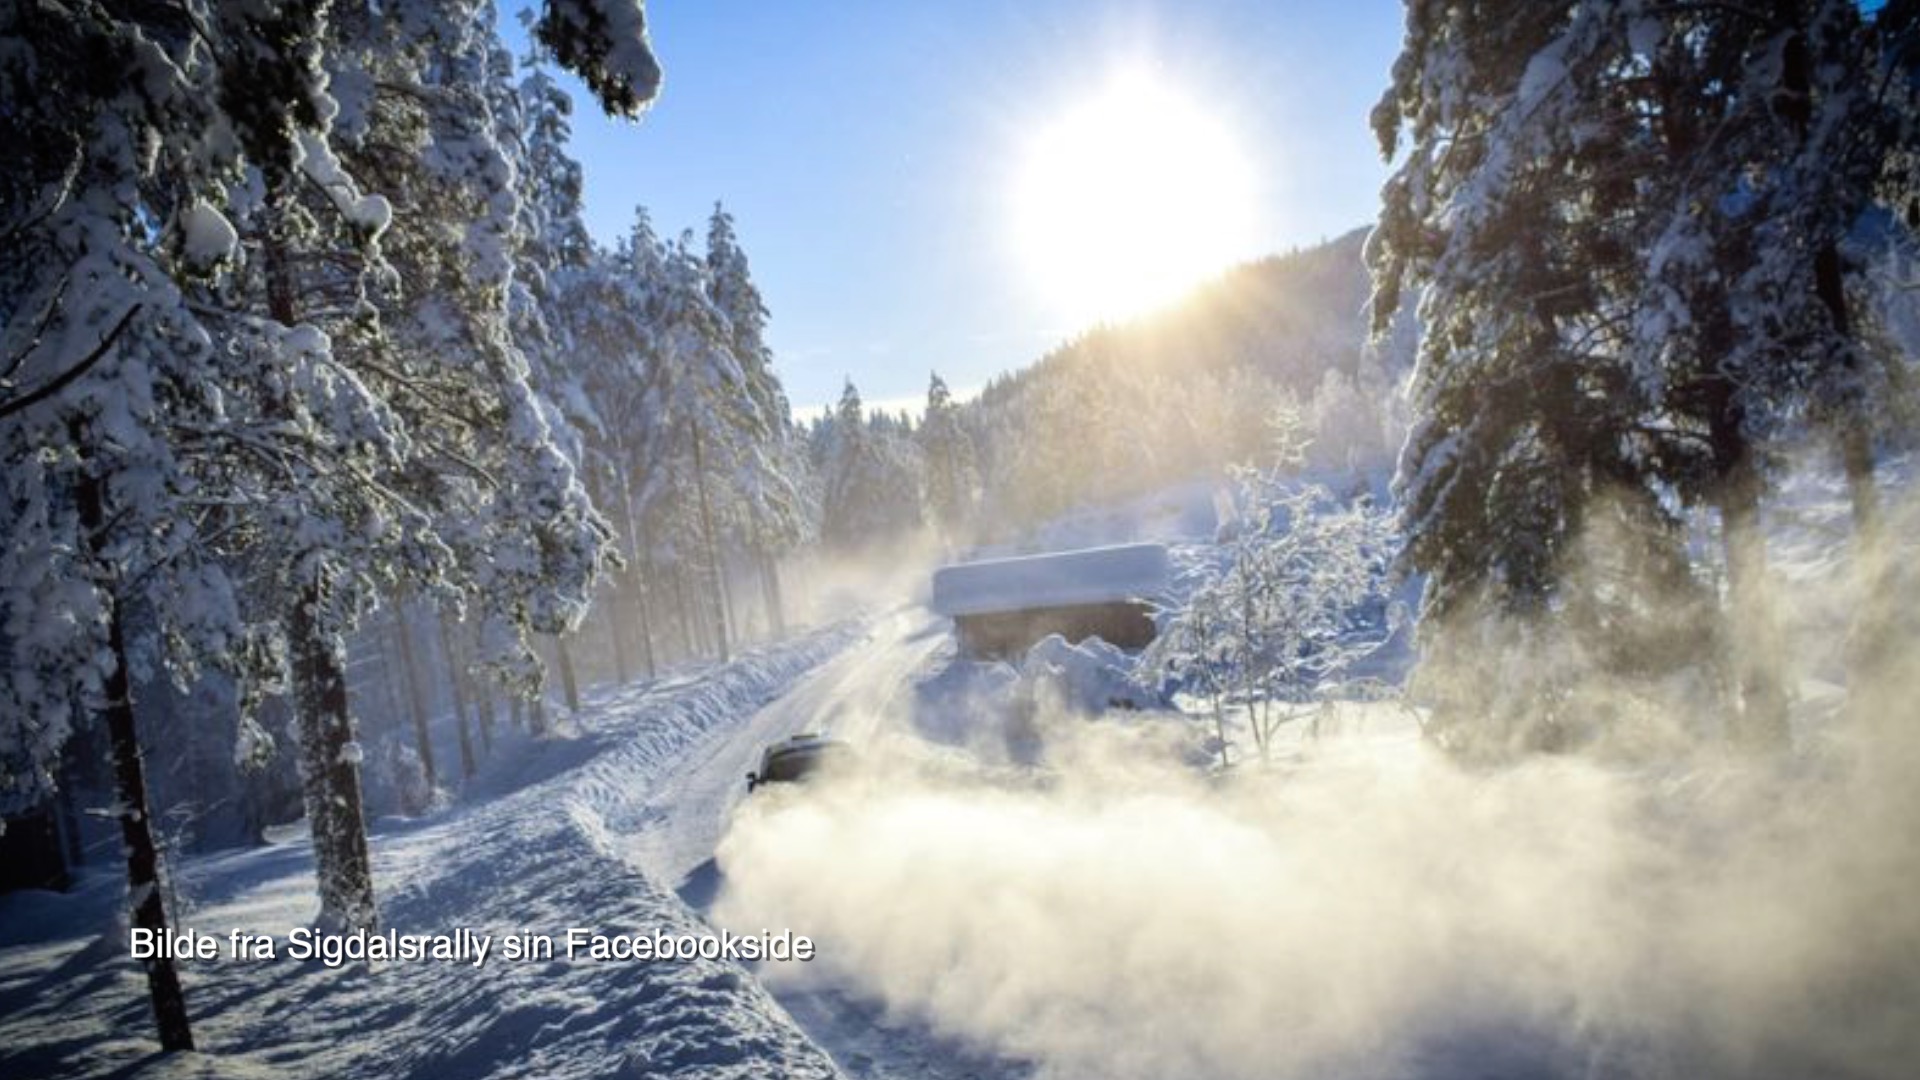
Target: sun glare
{"x": 1129, "y": 199}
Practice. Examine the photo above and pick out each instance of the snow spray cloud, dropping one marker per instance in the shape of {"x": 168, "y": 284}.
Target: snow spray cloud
{"x": 1376, "y": 910}
{"x": 831, "y": 585}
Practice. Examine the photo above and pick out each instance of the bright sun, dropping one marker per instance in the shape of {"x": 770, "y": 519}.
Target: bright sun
{"x": 1130, "y": 199}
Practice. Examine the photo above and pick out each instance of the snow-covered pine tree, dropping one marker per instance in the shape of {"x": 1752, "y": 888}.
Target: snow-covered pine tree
{"x": 952, "y": 472}
{"x": 1819, "y": 139}
{"x": 600, "y": 321}
{"x": 1520, "y": 417}
{"x": 605, "y": 43}
{"x": 1641, "y": 213}
{"x": 708, "y": 420}
{"x": 430, "y": 459}
{"x": 488, "y": 465}
{"x": 769, "y": 518}
{"x": 145, "y": 434}
{"x": 1528, "y": 215}
{"x": 112, "y": 409}
{"x": 870, "y": 476}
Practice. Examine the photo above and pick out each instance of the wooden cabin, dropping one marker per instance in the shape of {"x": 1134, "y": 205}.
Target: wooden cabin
{"x": 1001, "y": 607}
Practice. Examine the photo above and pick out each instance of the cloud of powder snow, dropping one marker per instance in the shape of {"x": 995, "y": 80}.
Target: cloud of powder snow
{"x": 1372, "y": 908}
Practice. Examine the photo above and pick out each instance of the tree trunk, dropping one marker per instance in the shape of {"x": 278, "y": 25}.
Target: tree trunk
{"x": 686, "y": 617}
{"x": 143, "y": 857}
{"x": 483, "y": 693}
{"x": 776, "y": 607}
{"x": 72, "y": 850}
{"x": 643, "y": 600}
{"x": 569, "y": 684}
{"x": 716, "y": 573}
{"x": 1873, "y": 651}
{"x": 147, "y": 908}
{"x": 392, "y": 697}
{"x": 617, "y": 626}
{"x": 639, "y": 545}
{"x": 330, "y": 768}
{"x": 416, "y": 696}
{"x": 457, "y": 675}
{"x": 1220, "y": 729}
{"x": 615, "y": 606}
{"x": 731, "y": 605}
{"x": 329, "y": 758}
{"x": 1762, "y": 719}
{"x": 1873, "y": 612}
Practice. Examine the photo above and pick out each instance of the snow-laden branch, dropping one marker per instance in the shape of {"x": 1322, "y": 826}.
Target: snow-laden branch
{"x": 68, "y": 377}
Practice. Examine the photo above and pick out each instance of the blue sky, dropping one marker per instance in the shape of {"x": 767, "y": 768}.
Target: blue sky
{"x": 867, "y": 150}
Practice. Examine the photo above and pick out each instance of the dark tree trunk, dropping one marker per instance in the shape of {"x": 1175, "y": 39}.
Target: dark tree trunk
{"x": 330, "y": 769}
{"x": 416, "y": 693}
{"x": 1762, "y": 718}
{"x": 73, "y": 849}
{"x": 457, "y": 678}
{"x": 330, "y": 772}
{"x": 144, "y": 895}
{"x": 1873, "y": 611}
{"x": 143, "y": 858}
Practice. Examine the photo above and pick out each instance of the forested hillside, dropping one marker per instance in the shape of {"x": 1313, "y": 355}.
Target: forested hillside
{"x": 1127, "y": 408}
{"x": 1132, "y": 407}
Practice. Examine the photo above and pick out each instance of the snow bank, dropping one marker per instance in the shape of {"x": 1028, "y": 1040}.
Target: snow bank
{"x": 1062, "y": 579}
{"x": 1087, "y": 678}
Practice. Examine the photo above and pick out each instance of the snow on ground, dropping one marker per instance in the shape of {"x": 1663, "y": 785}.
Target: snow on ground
{"x": 1100, "y": 904}
{"x": 537, "y": 847}
{"x": 867, "y": 697}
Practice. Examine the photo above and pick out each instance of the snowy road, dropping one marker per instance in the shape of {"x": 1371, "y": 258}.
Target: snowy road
{"x": 851, "y": 697}
{"x": 862, "y": 695}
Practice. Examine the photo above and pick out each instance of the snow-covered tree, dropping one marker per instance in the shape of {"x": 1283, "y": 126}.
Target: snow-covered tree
{"x": 703, "y": 421}
{"x": 122, "y": 136}
{"x": 1300, "y": 598}
{"x": 1625, "y": 223}
{"x": 766, "y": 509}
{"x": 870, "y": 478}
{"x": 951, "y": 470}
{"x": 189, "y": 266}
{"x": 605, "y": 43}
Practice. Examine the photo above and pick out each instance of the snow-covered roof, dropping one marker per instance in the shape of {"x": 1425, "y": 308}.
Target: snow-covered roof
{"x": 1060, "y": 579}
